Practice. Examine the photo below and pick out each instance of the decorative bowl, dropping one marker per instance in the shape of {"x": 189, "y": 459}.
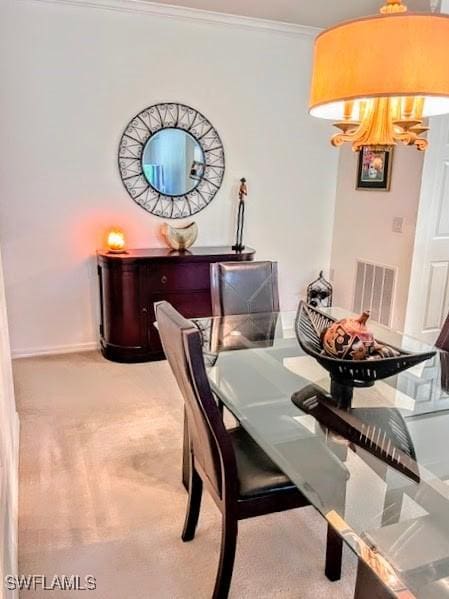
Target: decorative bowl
{"x": 310, "y": 325}
{"x": 180, "y": 238}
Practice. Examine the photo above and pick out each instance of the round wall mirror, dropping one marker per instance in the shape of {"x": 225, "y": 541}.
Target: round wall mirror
{"x": 171, "y": 160}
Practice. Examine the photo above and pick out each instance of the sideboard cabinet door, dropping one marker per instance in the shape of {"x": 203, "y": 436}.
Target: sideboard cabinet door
{"x": 124, "y": 318}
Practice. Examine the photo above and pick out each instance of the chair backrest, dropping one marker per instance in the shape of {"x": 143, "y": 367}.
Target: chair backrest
{"x": 209, "y": 440}
{"x": 244, "y": 287}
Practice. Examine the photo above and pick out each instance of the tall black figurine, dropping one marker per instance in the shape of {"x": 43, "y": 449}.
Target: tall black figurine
{"x": 243, "y": 191}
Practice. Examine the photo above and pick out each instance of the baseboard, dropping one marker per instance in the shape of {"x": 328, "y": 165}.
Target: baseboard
{"x": 53, "y": 350}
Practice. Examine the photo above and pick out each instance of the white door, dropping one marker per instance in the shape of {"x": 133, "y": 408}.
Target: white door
{"x": 428, "y": 300}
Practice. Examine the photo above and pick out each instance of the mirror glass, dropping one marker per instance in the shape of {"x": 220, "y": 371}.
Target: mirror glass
{"x": 173, "y": 162}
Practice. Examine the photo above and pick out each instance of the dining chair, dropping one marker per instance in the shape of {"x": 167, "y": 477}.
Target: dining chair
{"x": 241, "y": 478}
{"x": 442, "y": 341}
{"x": 244, "y": 287}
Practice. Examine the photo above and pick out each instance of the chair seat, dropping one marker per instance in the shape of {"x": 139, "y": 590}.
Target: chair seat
{"x": 258, "y": 475}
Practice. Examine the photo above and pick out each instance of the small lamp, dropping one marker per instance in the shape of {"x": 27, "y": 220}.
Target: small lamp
{"x": 116, "y": 241}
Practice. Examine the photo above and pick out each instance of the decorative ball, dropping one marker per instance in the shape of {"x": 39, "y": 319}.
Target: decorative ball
{"x": 349, "y": 339}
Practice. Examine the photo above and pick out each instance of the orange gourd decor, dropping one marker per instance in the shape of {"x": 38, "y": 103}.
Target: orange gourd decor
{"x": 350, "y": 339}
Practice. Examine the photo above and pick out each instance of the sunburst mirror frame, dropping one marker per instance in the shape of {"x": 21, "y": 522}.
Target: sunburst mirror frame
{"x": 170, "y": 115}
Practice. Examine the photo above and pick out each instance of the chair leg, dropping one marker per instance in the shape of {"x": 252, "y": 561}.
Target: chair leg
{"x": 185, "y": 455}
{"x": 334, "y": 551}
{"x": 220, "y": 406}
{"x": 193, "y": 504}
{"x": 227, "y": 556}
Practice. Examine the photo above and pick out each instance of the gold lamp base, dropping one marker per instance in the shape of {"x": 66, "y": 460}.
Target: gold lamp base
{"x": 384, "y": 122}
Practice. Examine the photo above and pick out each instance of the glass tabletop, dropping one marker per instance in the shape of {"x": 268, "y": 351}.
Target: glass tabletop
{"x": 394, "y": 514}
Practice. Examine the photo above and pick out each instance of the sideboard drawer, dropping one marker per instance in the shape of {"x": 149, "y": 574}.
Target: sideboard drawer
{"x": 192, "y": 304}
{"x": 171, "y": 277}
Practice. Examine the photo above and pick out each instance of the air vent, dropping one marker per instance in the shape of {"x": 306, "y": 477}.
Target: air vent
{"x": 374, "y": 291}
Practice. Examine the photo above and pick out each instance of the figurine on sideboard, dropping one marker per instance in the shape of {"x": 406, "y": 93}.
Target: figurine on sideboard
{"x": 243, "y": 192}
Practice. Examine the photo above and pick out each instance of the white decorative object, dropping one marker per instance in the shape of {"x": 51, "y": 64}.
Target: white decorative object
{"x": 180, "y": 238}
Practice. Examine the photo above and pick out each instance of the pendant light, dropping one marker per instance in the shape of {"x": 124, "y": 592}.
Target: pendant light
{"x": 379, "y": 77}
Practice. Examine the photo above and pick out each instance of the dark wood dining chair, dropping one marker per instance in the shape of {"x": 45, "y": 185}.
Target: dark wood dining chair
{"x": 241, "y": 478}
{"x": 244, "y": 287}
{"x": 442, "y": 341}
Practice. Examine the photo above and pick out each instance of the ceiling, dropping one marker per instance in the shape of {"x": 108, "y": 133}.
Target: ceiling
{"x": 318, "y": 13}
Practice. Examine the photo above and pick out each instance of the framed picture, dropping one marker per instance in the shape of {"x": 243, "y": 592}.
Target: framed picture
{"x": 374, "y": 169}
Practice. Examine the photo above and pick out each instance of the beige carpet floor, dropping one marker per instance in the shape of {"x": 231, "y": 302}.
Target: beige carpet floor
{"x": 100, "y": 494}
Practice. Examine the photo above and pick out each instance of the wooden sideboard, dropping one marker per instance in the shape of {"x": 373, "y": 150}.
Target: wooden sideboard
{"x": 130, "y": 284}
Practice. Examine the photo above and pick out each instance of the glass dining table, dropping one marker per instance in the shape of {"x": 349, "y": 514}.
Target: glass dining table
{"x": 396, "y": 521}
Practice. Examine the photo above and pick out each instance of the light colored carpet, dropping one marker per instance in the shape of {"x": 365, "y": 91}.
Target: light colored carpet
{"x": 100, "y": 494}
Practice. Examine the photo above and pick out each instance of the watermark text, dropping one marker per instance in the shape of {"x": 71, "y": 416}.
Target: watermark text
{"x": 58, "y": 582}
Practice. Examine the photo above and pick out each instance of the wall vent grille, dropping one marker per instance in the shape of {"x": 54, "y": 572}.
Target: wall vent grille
{"x": 374, "y": 291}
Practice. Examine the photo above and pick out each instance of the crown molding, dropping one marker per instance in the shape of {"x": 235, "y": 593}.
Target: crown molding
{"x": 145, "y": 7}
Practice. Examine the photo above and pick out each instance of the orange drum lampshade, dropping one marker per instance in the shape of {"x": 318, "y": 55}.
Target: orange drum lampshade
{"x": 116, "y": 240}
{"x": 379, "y": 76}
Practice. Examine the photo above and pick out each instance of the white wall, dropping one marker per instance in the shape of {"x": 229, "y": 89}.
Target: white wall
{"x": 363, "y": 226}
{"x": 68, "y": 90}
{"x": 9, "y": 455}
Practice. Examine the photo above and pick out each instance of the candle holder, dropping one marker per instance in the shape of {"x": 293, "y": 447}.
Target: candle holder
{"x": 319, "y": 292}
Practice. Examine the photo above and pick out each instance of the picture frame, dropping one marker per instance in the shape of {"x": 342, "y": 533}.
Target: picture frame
{"x": 374, "y": 169}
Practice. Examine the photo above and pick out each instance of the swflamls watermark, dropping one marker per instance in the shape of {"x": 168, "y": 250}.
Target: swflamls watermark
{"x": 58, "y": 582}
